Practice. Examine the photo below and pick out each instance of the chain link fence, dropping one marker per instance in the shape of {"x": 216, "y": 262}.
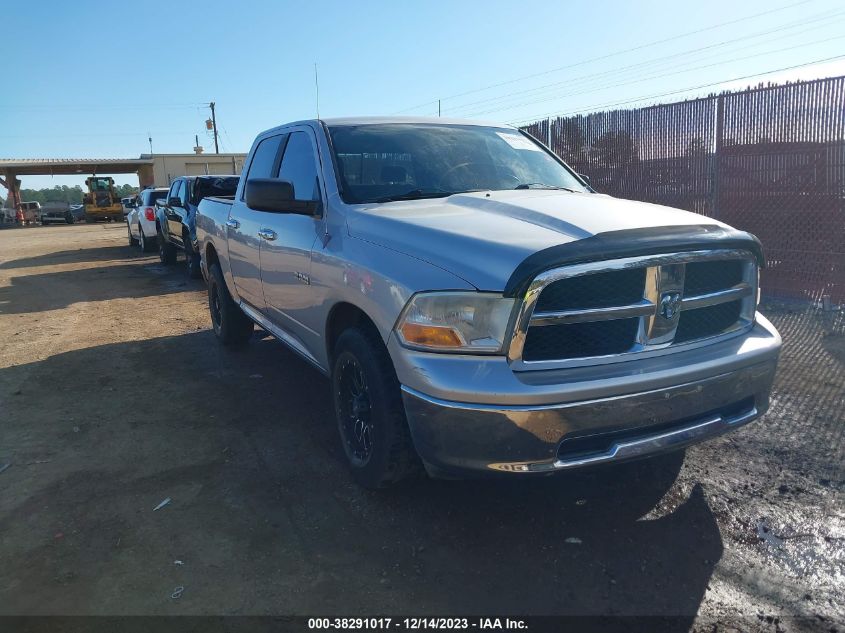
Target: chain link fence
{"x": 769, "y": 160}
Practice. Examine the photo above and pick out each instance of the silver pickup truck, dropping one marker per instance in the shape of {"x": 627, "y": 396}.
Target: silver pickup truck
{"x": 477, "y": 306}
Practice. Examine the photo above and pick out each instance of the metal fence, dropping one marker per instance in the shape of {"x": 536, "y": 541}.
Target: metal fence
{"x": 769, "y": 160}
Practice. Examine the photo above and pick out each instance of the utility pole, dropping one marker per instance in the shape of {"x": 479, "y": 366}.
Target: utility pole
{"x": 214, "y": 127}
{"x": 438, "y": 107}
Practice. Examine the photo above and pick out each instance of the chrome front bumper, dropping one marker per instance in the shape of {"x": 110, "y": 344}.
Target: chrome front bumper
{"x": 454, "y": 437}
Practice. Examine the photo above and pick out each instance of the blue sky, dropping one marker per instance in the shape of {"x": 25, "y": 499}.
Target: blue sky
{"x": 72, "y": 95}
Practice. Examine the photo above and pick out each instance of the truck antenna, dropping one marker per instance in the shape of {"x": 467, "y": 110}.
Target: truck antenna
{"x": 317, "y": 88}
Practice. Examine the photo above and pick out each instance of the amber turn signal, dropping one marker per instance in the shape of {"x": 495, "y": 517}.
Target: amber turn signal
{"x": 430, "y": 335}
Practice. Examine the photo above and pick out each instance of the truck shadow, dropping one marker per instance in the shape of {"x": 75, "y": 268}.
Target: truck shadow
{"x": 244, "y": 443}
{"x": 39, "y": 292}
{"x": 100, "y": 253}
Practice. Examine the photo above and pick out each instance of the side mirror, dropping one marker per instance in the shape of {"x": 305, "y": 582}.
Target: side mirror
{"x": 276, "y": 196}
{"x": 585, "y": 178}
{"x": 174, "y": 202}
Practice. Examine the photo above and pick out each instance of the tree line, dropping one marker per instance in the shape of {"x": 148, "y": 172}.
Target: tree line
{"x": 63, "y": 193}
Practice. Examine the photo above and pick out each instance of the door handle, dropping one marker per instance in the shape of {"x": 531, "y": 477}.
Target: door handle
{"x": 233, "y": 224}
{"x": 267, "y": 234}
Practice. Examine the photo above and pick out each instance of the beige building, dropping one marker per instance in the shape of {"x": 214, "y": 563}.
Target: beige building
{"x": 166, "y": 167}
{"x": 153, "y": 169}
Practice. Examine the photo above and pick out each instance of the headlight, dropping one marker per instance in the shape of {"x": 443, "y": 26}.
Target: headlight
{"x": 455, "y": 322}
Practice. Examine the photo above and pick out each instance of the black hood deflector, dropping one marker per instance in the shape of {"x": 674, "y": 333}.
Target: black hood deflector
{"x": 631, "y": 243}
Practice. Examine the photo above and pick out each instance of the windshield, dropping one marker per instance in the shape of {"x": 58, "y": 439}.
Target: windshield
{"x": 152, "y": 196}
{"x": 383, "y": 161}
{"x": 222, "y": 186}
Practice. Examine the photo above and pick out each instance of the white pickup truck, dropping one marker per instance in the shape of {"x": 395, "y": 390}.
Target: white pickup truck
{"x": 477, "y": 306}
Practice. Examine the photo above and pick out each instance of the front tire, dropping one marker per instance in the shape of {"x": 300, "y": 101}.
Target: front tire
{"x": 132, "y": 240}
{"x": 192, "y": 259}
{"x": 231, "y": 325}
{"x": 370, "y": 415}
{"x": 166, "y": 250}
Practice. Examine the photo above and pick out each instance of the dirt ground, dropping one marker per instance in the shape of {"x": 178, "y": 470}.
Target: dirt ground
{"x": 114, "y": 396}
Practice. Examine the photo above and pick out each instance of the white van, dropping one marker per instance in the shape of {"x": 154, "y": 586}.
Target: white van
{"x": 30, "y": 212}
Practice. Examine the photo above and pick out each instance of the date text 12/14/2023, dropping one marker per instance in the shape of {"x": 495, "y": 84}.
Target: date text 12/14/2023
{"x": 416, "y": 624}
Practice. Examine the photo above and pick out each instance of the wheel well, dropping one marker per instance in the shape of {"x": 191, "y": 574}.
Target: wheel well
{"x": 342, "y": 317}
{"x": 211, "y": 256}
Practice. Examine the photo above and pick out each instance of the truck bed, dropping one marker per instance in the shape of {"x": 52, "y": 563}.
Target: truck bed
{"x": 212, "y": 214}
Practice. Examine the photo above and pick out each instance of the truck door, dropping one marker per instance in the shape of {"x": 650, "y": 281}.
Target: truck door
{"x": 174, "y": 212}
{"x": 286, "y": 243}
{"x": 244, "y": 223}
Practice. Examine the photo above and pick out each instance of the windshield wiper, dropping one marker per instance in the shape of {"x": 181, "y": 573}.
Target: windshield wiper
{"x": 414, "y": 194}
{"x": 542, "y": 185}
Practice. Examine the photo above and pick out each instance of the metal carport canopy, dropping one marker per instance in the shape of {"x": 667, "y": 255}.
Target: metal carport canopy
{"x": 71, "y": 166}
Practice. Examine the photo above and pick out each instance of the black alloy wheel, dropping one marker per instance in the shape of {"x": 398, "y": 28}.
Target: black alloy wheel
{"x": 356, "y": 424}
{"x": 231, "y": 326}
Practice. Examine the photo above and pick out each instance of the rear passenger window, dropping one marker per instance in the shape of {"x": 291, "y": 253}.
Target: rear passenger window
{"x": 183, "y": 192}
{"x": 156, "y": 195}
{"x": 299, "y": 167}
{"x": 264, "y": 158}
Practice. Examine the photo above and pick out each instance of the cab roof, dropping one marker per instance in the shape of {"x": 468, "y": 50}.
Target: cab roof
{"x": 381, "y": 120}
{"x": 374, "y": 120}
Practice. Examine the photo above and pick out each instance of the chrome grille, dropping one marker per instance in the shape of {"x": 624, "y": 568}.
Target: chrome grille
{"x": 707, "y": 321}
{"x": 710, "y": 276}
{"x": 577, "y": 340}
{"x": 601, "y": 290}
{"x": 600, "y": 310}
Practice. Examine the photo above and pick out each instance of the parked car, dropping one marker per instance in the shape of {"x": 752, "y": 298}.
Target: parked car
{"x": 128, "y": 204}
{"x": 176, "y": 216}
{"x": 477, "y": 307}
{"x": 141, "y": 220}
{"x": 77, "y": 211}
{"x": 56, "y": 212}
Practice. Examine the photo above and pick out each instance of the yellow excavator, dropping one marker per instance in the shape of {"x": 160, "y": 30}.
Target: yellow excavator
{"x": 101, "y": 202}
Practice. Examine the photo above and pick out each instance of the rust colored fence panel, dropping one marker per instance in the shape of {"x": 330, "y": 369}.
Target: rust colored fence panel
{"x": 768, "y": 160}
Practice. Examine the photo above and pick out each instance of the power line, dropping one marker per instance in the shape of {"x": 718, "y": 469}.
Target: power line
{"x": 98, "y": 106}
{"x": 602, "y": 106}
{"x": 610, "y": 55}
{"x": 658, "y": 76}
{"x": 86, "y": 134}
{"x": 229, "y": 143}
{"x": 826, "y": 16}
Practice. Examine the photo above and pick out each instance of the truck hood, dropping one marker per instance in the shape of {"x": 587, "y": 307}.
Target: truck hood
{"x": 482, "y": 237}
